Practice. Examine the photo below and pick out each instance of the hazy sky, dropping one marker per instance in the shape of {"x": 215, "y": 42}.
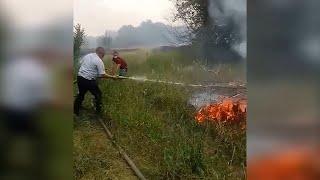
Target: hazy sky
{"x": 98, "y": 15}
{"x": 35, "y": 12}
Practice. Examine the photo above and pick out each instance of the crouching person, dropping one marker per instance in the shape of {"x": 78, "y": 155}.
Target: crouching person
{"x": 120, "y": 64}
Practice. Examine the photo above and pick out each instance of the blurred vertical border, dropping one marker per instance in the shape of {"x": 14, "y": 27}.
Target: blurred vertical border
{"x": 36, "y": 89}
{"x": 283, "y": 89}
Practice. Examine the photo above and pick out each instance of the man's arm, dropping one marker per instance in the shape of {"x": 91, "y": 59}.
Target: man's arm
{"x": 106, "y": 76}
{"x": 102, "y": 73}
{"x": 115, "y": 68}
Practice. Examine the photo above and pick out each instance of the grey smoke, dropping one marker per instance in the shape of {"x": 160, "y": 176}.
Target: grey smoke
{"x": 222, "y": 10}
{"x": 202, "y": 99}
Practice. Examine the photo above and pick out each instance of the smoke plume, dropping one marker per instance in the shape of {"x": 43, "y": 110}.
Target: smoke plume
{"x": 221, "y": 11}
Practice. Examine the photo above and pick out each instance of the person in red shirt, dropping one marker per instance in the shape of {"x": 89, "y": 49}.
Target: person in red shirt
{"x": 119, "y": 64}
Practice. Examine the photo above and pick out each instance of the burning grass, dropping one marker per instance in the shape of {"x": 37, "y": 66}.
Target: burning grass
{"x": 157, "y": 128}
{"x": 227, "y": 111}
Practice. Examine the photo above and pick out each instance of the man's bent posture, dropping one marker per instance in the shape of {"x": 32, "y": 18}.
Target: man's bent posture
{"x": 91, "y": 68}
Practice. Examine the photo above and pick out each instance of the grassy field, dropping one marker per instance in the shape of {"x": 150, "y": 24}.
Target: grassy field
{"x": 156, "y": 126}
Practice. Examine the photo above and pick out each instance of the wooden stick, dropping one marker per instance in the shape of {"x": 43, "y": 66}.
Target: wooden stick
{"x": 123, "y": 153}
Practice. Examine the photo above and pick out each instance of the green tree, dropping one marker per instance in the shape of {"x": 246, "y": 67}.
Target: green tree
{"x": 78, "y": 40}
{"x": 204, "y": 30}
{"x": 194, "y": 13}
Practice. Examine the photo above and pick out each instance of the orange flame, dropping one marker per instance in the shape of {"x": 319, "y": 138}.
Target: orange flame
{"x": 227, "y": 111}
{"x": 299, "y": 164}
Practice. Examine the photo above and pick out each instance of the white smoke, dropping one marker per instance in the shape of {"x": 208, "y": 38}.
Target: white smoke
{"x": 241, "y": 48}
{"x": 199, "y": 100}
{"x": 222, "y": 10}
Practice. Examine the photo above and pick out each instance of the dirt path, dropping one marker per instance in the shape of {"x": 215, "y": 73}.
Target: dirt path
{"x": 95, "y": 156}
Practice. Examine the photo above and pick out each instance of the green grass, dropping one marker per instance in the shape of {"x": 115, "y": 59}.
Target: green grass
{"x": 156, "y": 127}
{"x": 177, "y": 66}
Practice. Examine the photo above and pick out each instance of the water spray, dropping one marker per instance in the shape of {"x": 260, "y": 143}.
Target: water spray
{"x": 143, "y": 79}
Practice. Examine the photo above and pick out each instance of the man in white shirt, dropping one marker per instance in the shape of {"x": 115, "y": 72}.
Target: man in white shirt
{"x": 91, "y": 68}
{"x": 25, "y": 93}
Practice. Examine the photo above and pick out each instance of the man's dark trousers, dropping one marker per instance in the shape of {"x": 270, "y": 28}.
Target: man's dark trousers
{"x": 85, "y": 85}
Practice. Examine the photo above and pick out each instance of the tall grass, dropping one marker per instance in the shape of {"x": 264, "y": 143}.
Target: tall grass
{"x": 156, "y": 126}
{"x": 178, "y": 66}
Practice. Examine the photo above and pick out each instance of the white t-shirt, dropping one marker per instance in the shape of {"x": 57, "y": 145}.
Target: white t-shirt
{"x": 25, "y": 84}
{"x": 91, "y": 67}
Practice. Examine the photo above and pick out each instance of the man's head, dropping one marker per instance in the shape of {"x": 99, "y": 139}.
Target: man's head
{"x": 115, "y": 54}
{"x": 100, "y": 52}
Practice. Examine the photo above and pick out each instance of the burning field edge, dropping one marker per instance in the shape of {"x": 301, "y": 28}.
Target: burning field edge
{"x": 169, "y": 131}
